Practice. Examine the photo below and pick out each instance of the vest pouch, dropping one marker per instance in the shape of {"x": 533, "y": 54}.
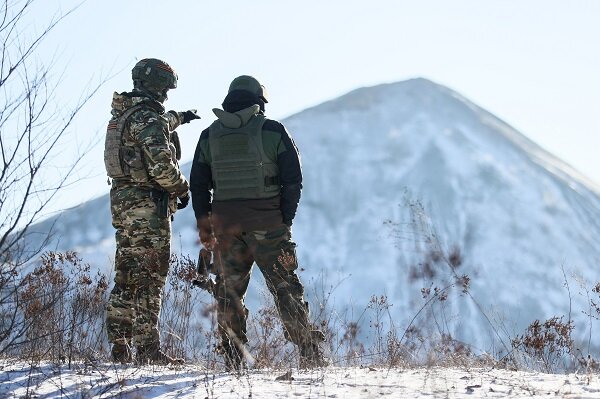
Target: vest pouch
{"x": 272, "y": 185}
{"x": 112, "y": 152}
{"x": 161, "y": 199}
{"x": 133, "y": 164}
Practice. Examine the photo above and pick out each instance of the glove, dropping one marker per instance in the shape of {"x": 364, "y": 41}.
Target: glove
{"x": 183, "y": 201}
{"x": 207, "y": 238}
{"x": 188, "y": 116}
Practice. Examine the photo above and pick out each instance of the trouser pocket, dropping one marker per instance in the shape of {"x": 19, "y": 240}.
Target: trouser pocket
{"x": 287, "y": 257}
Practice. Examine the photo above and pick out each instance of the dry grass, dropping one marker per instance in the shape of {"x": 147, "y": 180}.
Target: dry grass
{"x": 60, "y": 310}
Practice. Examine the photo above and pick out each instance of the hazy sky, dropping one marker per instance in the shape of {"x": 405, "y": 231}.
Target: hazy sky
{"x": 534, "y": 64}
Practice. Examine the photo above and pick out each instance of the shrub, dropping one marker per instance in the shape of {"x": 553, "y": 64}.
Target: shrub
{"x": 546, "y": 343}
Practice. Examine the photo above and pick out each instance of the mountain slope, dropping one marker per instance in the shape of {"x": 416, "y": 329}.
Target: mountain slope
{"x": 395, "y": 171}
{"x": 516, "y": 213}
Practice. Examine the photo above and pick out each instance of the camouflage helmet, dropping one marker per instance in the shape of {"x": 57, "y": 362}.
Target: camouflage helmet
{"x": 154, "y": 73}
{"x": 248, "y": 83}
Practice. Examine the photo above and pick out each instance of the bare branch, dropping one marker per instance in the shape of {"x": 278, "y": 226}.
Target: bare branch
{"x": 31, "y": 129}
{"x": 32, "y": 46}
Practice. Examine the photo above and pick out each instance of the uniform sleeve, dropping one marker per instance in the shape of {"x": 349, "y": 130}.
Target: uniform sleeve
{"x": 290, "y": 175}
{"x": 201, "y": 178}
{"x": 152, "y": 134}
{"x": 174, "y": 119}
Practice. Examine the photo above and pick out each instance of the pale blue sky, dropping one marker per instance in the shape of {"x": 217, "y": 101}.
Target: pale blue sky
{"x": 534, "y": 64}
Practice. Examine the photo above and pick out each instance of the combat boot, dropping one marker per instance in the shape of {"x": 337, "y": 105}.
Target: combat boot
{"x": 152, "y": 354}
{"x": 232, "y": 356}
{"x": 311, "y": 356}
{"x": 121, "y": 353}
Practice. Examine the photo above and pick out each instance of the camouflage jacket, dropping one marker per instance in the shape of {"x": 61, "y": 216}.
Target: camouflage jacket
{"x": 151, "y": 128}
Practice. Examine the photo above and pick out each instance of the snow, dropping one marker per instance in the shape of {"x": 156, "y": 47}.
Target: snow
{"x": 519, "y": 215}
{"x": 48, "y": 381}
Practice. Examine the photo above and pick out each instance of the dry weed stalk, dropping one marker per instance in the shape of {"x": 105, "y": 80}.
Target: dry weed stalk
{"x": 59, "y": 311}
{"x": 546, "y": 343}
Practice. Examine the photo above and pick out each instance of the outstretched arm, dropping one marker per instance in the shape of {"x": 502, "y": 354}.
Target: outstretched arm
{"x": 152, "y": 134}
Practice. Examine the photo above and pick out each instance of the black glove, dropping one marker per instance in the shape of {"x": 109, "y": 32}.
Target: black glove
{"x": 188, "y": 116}
{"x": 183, "y": 201}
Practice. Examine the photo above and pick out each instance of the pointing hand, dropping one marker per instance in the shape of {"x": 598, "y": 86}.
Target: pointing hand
{"x": 188, "y": 116}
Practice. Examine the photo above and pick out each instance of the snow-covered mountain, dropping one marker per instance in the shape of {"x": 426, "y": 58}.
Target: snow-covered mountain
{"x": 517, "y": 215}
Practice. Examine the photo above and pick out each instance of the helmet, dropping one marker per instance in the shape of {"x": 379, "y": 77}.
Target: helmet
{"x": 248, "y": 83}
{"x": 154, "y": 74}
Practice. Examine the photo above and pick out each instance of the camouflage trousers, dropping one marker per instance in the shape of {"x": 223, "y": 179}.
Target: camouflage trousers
{"x": 275, "y": 255}
{"x": 141, "y": 265}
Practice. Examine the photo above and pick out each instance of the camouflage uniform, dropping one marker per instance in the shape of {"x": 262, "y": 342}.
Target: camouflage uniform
{"x": 143, "y": 235}
{"x": 274, "y": 254}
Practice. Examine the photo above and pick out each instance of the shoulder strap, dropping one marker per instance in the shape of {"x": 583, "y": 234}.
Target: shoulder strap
{"x": 123, "y": 119}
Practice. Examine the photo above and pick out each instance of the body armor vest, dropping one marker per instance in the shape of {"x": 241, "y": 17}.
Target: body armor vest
{"x": 240, "y": 167}
{"x": 123, "y": 158}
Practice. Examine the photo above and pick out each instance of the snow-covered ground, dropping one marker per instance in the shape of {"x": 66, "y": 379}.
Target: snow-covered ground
{"x": 525, "y": 224}
{"x": 17, "y": 380}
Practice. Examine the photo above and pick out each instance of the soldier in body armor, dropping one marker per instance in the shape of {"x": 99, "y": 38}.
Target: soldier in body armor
{"x": 246, "y": 181}
{"x": 141, "y": 157}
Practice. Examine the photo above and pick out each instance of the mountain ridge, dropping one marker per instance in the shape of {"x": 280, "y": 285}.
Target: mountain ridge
{"x": 420, "y": 85}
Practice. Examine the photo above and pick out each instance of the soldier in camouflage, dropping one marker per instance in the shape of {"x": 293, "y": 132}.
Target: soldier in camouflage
{"x": 141, "y": 157}
{"x": 246, "y": 181}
